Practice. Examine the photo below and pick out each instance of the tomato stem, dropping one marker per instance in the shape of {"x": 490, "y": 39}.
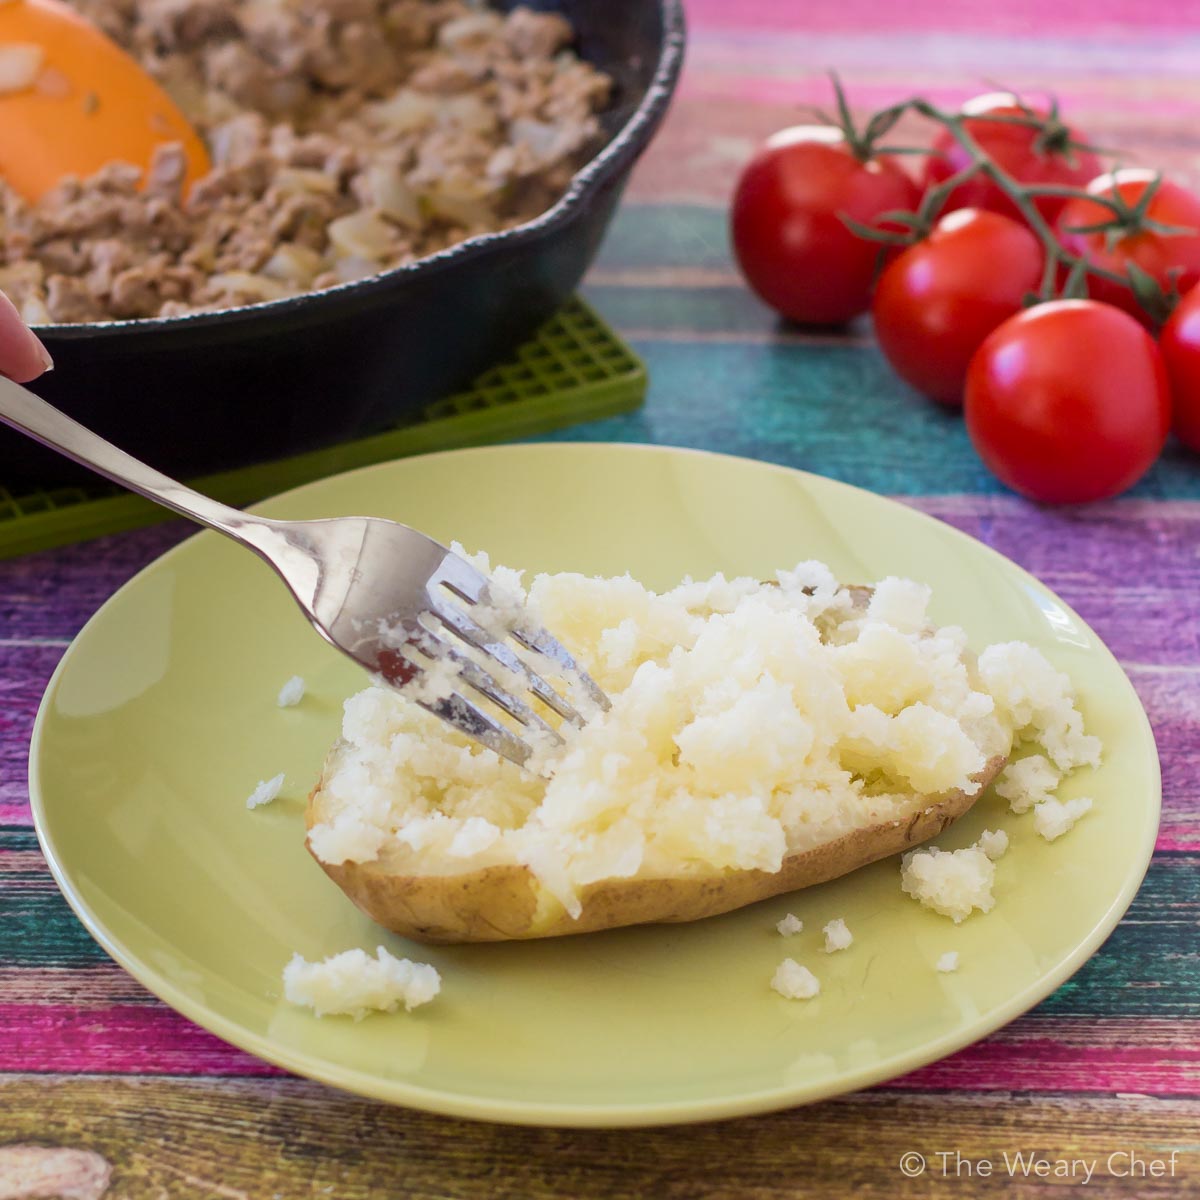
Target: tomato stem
{"x": 1022, "y": 198}
{"x": 1054, "y": 136}
{"x": 861, "y": 143}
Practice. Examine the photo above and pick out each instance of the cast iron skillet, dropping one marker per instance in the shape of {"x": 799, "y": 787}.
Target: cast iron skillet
{"x": 210, "y": 391}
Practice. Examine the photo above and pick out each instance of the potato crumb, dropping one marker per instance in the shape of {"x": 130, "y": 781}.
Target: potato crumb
{"x": 1038, "y": 702}
{"x": 900, "y": 603}
{"x": 948, "y": 962}
{"x": 837, "y": 936}
{"x": 266, "y": 791}
{"x": 347, "y": 838}
{"x": 993, "y": 843}
{"x": 1052, "y": 818}
{"x": 790, "y": 925}
{"x": 291, "y": 693}
{"x": 794, "y": 982}
{"x": 1027, "y": 782}
{"x": 951, "y": 882}
{"x": 353, "y": 983}
{"x": 437, "y": 680}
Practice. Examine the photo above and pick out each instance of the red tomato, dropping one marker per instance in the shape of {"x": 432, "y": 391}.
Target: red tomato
{"x": 936, "y": 303}
{"x": 1016, "y": 149}
{"x": 1156, "y": 253}
{"x": 790, "y": 241}
{"x": 1068, "y": 402}
{"x": 1180, "y": 346}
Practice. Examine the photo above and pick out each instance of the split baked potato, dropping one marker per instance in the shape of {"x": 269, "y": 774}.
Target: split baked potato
{"x": 402, "y": 870}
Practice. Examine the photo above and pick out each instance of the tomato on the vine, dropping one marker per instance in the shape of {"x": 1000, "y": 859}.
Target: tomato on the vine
{"x": 1068, "y": 401}
{"x": 1052, "y": 154}
{"x": 1180, "y": 345}
{"x": 791, "y": 243}
{"x": 935, "y": 304}
{"x": 1161, "y": 233}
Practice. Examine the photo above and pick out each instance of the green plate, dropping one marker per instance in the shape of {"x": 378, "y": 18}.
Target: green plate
{"x": 162, "y": 718}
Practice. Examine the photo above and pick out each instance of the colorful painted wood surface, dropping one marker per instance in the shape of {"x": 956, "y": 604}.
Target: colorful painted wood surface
{"x": 105, "y": 1091}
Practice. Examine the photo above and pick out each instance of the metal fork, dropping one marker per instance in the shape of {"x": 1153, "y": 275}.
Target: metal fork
{"x": 382, "y": 593}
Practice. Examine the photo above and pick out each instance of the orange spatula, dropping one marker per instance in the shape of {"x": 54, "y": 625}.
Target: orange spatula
{"x": 71, "y": 100}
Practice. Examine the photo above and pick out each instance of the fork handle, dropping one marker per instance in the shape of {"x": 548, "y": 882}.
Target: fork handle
{"x": 32, "y": 415}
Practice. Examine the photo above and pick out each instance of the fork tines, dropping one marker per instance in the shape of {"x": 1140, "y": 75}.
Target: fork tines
{"x": 495, "y": 671}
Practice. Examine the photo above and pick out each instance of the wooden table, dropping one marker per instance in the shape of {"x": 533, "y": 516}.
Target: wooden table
{"x": 97, "y": 1077}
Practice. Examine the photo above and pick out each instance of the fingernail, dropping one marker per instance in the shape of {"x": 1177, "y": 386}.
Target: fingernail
{"x": 44, "y": 355}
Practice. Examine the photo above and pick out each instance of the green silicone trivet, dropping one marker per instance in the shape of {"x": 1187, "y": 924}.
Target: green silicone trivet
{"x": 573, "y": 369}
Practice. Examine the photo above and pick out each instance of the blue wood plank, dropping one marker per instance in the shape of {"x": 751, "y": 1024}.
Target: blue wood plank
{"x": 834, "y": 410}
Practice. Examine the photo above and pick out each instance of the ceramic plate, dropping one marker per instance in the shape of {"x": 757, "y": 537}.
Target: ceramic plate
{"x": 162, "y": 718}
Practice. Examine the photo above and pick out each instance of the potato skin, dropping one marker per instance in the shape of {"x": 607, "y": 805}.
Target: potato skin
{"x": 505, "y": 903}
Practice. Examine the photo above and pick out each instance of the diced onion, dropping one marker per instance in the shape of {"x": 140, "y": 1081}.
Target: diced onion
{"x": 393, "y": 195}
{"x": 349, "y": 269}
{"x": 406, "y": 111}
{"x": 244, "y": 283}
{"x": 35, "y": 312}
{"x": 361, "y": 235}
{"x": 467, "y": 111}
{"x": 299, "y": 179}
{"x": 463, "y": 202}
{"x": 292, "y": 263}
{"x": 20, "y": 63}
{"x": 540, "y": 137}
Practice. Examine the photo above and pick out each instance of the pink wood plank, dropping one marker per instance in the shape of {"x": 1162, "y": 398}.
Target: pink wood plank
{"x": 146, "y": 1039}
{"x": 1032, "y": 1055}
{"x": 1035, "y": 17}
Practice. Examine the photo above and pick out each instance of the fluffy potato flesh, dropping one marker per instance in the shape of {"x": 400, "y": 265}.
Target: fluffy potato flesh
{"x": 763, "y": 737}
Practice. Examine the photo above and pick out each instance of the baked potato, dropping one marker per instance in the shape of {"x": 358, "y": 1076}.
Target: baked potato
{"x": 431, "y": 899}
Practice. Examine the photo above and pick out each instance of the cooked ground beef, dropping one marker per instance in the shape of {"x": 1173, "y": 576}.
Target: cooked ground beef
{"x": 347, "y": 136}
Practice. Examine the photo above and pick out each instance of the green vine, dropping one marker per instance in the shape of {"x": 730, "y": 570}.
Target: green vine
{"x": 1053, "y": 137}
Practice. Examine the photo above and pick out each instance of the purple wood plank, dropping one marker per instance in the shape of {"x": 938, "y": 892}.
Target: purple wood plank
{"x": 1129, "y": 568}
{"x": 24, "y": 672}
{"x": 52, "y": 594}
{"x": 1171, "y": 697}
